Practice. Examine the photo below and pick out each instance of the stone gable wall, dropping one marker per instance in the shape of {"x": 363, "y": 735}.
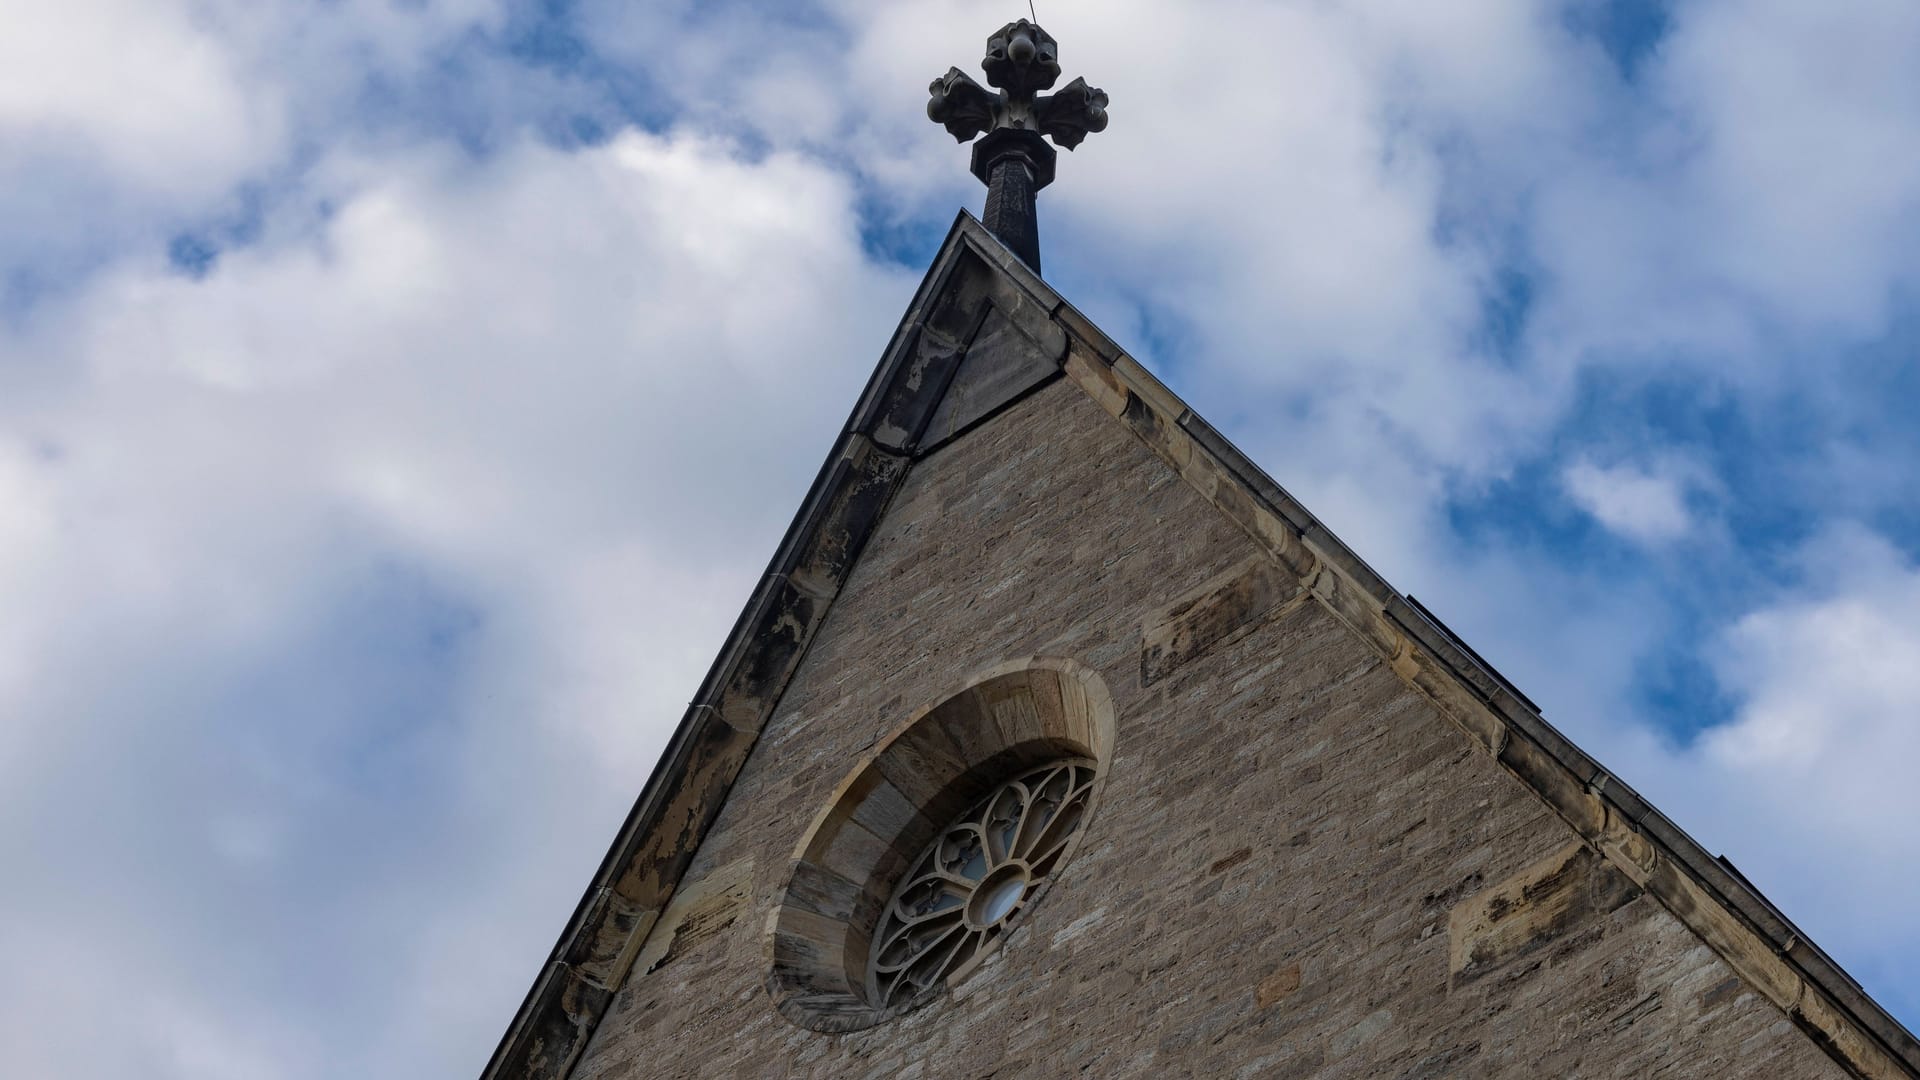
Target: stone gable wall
{"x": 1298, "y": 867}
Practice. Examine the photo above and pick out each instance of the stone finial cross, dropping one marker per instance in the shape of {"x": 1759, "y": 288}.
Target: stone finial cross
{"x": 1014, "y": 160}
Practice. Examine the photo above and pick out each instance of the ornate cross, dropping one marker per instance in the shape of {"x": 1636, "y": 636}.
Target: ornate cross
{"x": 1014, "y": 160}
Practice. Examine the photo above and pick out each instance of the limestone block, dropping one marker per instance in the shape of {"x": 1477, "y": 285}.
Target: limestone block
{"x": 1221, "y": 610}
{"x": 1543, "y": 903}
{"x": 699, "y": 911}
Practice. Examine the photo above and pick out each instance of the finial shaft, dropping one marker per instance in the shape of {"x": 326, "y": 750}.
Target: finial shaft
{"x": 1012, "y": 213}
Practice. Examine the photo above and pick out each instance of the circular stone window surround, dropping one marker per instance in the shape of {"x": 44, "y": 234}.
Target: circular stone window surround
{"x": 879, "y": 821}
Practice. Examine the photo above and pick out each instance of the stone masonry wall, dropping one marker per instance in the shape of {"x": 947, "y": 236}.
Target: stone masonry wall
{"x": 1298, "y": 867}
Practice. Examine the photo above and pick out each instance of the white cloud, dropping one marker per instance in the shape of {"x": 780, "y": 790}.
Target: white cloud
{"x": 1638, "y": 504}
{"x": 1766, "y": 192}
{"x": 463, "y": 487}
{"x": 139, "y": 85}
{"x": 128, "y": 121}
{"x": 1830, "y": 686}
{"x": 1806, "y": 181}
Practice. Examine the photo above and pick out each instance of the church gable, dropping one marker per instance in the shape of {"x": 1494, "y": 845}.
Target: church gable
{"x": 1269, "y": 876}
{"x": 1330, "y": 835}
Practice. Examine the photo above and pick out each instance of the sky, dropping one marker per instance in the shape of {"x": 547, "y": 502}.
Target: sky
{"x": 399, "y": 398}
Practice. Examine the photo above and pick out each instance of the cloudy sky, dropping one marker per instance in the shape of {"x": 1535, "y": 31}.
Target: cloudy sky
{"x": 399, "y": 397}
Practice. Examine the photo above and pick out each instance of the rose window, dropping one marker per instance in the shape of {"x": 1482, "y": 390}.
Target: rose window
{"x": 977, "y": 876}
{"x": 895, "y": 895}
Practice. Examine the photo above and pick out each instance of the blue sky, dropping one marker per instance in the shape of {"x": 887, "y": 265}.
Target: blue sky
{"x": 397, "y": 401}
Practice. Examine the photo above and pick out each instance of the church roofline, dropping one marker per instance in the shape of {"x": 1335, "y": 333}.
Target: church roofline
{"x": 887, "y": 430}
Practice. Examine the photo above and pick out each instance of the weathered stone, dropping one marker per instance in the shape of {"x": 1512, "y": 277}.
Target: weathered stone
{"x": 699, "y": 911}
{"x": 1219, "y": 611}
{"x": 1000, "y": 364}
{"x": 1222, "y": 865}
{"x": 1566, "y": 892}
{"x": 1277, "y": 987}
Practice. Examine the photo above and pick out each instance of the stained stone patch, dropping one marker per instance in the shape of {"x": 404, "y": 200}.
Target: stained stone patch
{"x": 1565, "y": 892}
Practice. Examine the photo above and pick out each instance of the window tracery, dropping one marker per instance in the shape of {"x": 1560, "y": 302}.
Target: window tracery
{"x": 975, "y": 878}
